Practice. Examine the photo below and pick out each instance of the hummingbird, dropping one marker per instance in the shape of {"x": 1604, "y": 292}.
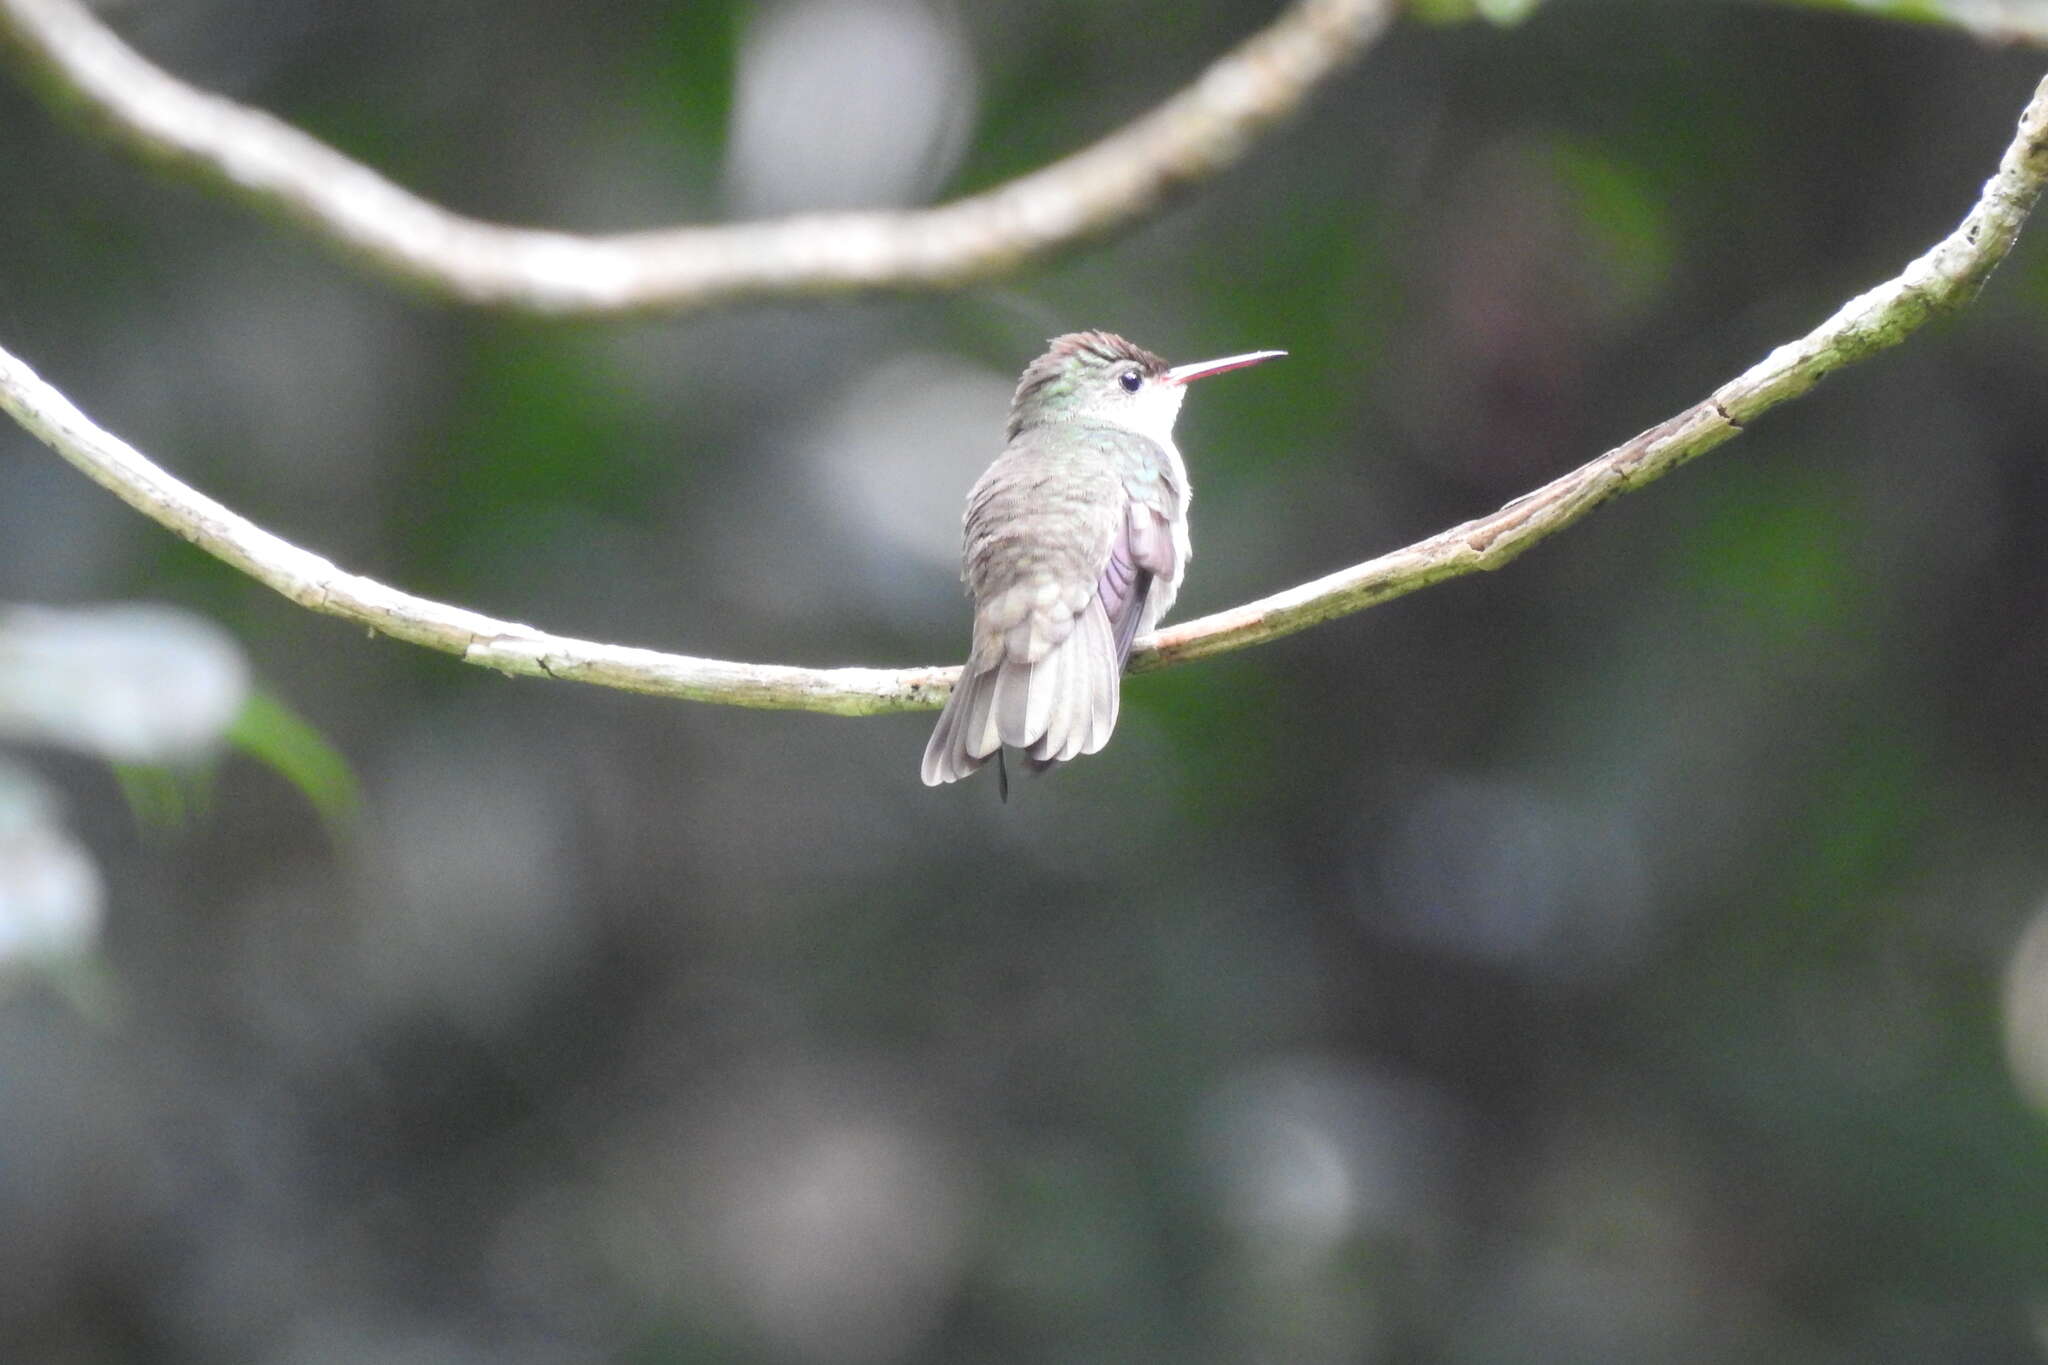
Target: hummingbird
{"x": 1076, "y": 540}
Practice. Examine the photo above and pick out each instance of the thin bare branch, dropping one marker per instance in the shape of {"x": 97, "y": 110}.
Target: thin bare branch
{"x": 1993, "y": 21}
{"x": 1190, "y": 138}
{"x": 1997, "y": 21}
{"x": 1945, "y": 278}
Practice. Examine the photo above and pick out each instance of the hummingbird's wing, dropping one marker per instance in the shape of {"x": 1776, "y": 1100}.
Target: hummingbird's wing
{"x": 1141, "y": 558}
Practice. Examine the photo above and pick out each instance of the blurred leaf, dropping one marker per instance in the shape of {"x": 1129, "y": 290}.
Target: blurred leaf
{"x": 165, "y": 799}
{"x": 846, "y": 105}
{"x": 1867, "y": 816}
{"x": 1502, "y": 12}
{"x": 541, "y": 428}
{"x": 688, "y": 76}
{"x": 127, "y": 682}
{"x": 1777, "y": 548}
{"x": 279, "y": 738}
{"x": 51, "y": 895}
{"x": 1625, "y": 220}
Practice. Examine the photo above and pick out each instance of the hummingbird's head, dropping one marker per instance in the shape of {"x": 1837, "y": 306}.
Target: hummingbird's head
{"x": 1100, "y": 377}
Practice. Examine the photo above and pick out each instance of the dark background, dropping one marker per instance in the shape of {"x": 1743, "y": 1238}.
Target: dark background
{"x": 1601, "y": 960}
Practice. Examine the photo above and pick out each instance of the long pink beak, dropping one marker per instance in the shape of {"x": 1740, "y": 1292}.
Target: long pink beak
{"x": 1202, "y": 369}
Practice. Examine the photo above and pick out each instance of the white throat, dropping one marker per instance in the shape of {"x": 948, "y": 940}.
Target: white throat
{"x": 1151, "y": 411}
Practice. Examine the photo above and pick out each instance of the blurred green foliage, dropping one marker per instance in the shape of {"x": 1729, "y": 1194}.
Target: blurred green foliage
{"x": 273, "y": 734}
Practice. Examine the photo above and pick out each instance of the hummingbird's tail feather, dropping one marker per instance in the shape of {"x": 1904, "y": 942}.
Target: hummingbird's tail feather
{"x": 1059, "y": 707}
{"x": 1082, "y": 679}
{"x": 947, "y": 757}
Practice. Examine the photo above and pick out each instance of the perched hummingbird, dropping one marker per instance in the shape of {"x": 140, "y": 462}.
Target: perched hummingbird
{"x": 1076, "y": 540}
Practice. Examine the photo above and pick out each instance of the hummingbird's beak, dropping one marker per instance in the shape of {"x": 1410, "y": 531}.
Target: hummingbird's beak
{"x": 1202, "y": 369}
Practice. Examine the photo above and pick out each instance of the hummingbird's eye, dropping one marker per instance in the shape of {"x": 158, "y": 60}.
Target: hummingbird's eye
{"x": 1131, "y": 380}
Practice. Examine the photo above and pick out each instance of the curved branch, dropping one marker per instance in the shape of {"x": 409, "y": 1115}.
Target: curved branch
{"x": 1191, "y": 137}
{"x": 1993, "y": 21}
{"x": 1945, "y": 278}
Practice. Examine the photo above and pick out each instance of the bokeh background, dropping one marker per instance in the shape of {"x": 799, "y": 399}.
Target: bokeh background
{"x": 1634, "y": 955}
